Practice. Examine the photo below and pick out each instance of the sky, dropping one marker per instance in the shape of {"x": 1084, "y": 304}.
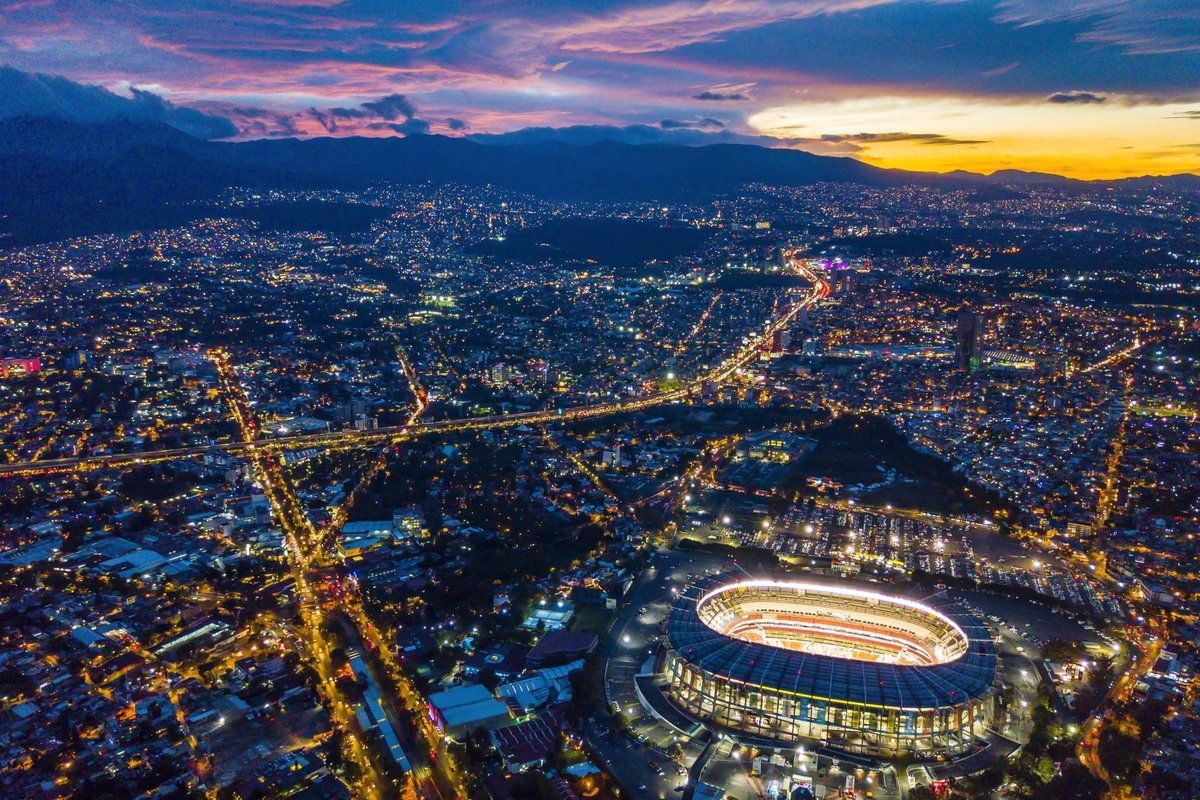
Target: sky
{"x": 1087, "y": 88}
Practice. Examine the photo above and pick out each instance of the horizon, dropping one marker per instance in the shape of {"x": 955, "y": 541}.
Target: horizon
{"x": 615, "y": 135}
{"x": 1078, "y": 89}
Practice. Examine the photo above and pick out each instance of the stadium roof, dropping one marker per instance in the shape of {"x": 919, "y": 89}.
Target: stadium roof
{"x": 830, "y": 677}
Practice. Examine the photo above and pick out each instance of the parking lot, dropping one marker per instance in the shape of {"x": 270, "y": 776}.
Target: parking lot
{"x": 651, "y": 758}
{"x": 651, "y": 754}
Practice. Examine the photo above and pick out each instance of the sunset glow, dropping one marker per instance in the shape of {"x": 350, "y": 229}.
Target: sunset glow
{"x": 980, "y": 85}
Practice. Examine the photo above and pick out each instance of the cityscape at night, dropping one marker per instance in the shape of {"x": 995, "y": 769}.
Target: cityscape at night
{"x": 614, "y": 400}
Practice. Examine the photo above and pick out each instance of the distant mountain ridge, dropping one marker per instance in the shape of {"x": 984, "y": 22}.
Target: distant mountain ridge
{"x": 64, "y": 178}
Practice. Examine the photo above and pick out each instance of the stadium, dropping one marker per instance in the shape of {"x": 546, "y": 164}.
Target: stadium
{"x": 785, "y": 662}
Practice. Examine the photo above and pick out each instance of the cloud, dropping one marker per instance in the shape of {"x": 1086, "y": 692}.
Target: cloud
{"x": 393, "y": 112}
{"x": 675, "y": 24}
{"x": 726, "y": 93}
{"x": 1076, "y": 97}
{"x": 260, "y": 123}
{"x": 946, "y": 141}
{"x": 699, "y": 123}
{"x": 1144, "y": 27}
{"x": 409, "y": 127}
{"x": 33, "y": 94}
{"x": 1003, "y": 69}
{"x": 391, "y": 107}
{"x": 635, "y": 70}
{"x": 325, "y": 120}
{"x": 897, "y": 136}
{"x": 627, "y": 134}
{"x": 1188, "y": 114}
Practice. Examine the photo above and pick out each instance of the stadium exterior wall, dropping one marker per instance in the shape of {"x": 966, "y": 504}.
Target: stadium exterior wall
{"x": 870, "y": 721}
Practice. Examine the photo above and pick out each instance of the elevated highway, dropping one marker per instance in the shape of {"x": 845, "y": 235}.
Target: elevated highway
{"x": 744, "y": 356}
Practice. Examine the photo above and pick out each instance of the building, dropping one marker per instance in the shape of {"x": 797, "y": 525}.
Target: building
{"x": 549, "y": 617}
{"x": 857, "y": 671}
{"x": 969, "y": 339}
{"x": 549, "y": 685}
{"x": 466, "y": 708}
{"x": 357, "y": 538}
{"x": 500, "y": 375}
{"x": 560, "y": 647}
{"x": 778, "y": 446}
{"x": 408, "y": 523}
{"x": 297, "y": 426}
{"x": 529, "y": 744}
{"x": 611, "y": 457}
{"x": 19, "y": 366}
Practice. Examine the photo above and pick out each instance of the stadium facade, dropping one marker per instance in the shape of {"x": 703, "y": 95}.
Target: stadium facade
{"x": 792, "y": 662}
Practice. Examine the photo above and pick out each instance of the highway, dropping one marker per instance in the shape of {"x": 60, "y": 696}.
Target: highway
{"x": 743, "y": 357}
{"x": 299, "y": 537}
{"x": 303, "y": 548}
{"x": 368, "y": 475}
{"x": 1117, "y": 357}
{"x": 303, "y": 541}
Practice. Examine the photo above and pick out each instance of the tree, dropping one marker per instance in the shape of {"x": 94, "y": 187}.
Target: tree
{"x": 1059, "y": 650}
{"x": 1075, "y": 783}
{"x": 531, "y": 786}
{"x": 1120, "y": 753}
{"x": 584, "y": 683}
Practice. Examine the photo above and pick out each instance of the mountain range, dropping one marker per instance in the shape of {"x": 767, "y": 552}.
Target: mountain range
{"x": 64, "y": 178}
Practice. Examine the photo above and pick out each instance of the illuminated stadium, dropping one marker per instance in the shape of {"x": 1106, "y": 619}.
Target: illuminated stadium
{"x": 793, "y": 662}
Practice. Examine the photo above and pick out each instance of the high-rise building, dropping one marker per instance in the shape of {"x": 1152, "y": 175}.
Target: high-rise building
{"x": 611, "y": 457}
{"x": 969, "y": 340}
{"x": 500, "y": 375}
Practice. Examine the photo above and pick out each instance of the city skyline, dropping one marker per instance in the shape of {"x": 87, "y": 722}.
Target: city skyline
{"x": 1080, "y": 88}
